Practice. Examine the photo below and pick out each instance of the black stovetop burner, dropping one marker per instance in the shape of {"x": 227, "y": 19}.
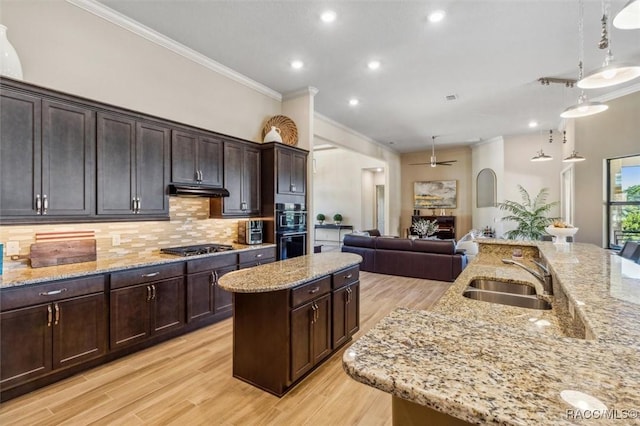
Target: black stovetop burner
{"x": 196, "y": 249}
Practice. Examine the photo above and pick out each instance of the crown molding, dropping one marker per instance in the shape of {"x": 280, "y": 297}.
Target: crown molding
{"x": 349, "y": 130}
{"x": 309, "y": 90}
{"x": 153, "y": 36}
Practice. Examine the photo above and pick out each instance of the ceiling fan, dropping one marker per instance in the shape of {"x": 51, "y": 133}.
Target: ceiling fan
{"x": 433, "y": 161}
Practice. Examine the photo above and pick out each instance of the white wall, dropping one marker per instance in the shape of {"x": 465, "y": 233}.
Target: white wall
{"x": 489, "y": 154}
{"x": 340, "y": 186}
{"x": 613, "y": 133}
{"x": 66, "y": 48}
{"x": 533, "y": 176}
{"x": 328, "y": 131}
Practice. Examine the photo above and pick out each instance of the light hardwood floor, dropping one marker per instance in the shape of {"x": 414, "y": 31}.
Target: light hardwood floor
{"x": 187, "y": 381}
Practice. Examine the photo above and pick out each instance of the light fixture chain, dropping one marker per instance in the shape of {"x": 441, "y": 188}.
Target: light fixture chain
{"x": 604, "y": 36}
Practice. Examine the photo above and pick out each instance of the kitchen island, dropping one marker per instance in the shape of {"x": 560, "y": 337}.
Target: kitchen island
{"x": 470, "y": 361}
{"x": 290, "y": 316}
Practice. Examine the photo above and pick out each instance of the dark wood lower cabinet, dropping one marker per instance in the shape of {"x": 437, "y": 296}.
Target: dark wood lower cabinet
{"x": 140, "y": 311}
{"x": 310, "y": 335}
{"x": 38, "y": 339}
{"x": 204, "y": 297}
{"x": 346, "y": 313}
{"x": 292, "y": 330}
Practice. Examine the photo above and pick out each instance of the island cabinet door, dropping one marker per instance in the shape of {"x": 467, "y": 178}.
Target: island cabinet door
{"x": 301, "y": 340}
{"x": 223, "y": 300}
{"x": 310, "y": 335}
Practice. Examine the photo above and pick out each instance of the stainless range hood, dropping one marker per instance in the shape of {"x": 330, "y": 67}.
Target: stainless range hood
{"x": 185, "y": 190}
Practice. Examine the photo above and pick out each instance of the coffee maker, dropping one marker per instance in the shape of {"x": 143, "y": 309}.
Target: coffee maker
{"x": 250, "y": 232}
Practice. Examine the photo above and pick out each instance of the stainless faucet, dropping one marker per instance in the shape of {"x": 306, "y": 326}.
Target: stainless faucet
{"x": 545, "y": 278}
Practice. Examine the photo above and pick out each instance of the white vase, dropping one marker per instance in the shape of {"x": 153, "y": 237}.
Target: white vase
{"x": 273, "y": 135}
{"x": 9, "y": 62}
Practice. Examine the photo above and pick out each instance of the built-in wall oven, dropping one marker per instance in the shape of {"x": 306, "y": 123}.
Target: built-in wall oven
{"x": 291, "y": 218}
{"x": 291, "y": 230}
{"x": 291, "y": 245}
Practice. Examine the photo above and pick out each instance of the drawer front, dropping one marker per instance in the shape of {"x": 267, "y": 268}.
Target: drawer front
{"x": 211, "y": 263}
{"x": 146, "y": 274}
{"x": 50, "y": 292}
{"x": 256, "y": 255}
{"x": 346, "y": 277}
{"x": 309, "y": 291}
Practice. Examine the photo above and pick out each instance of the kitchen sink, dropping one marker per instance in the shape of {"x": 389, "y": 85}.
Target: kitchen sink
{"x": 503, "y": 287}
{"x": 511, "y": 299}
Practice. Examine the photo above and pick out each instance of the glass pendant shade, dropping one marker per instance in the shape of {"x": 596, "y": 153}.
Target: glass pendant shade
{"x": 610, "y": 74}
{"x": 9, "y": 62}
{"x": 629, "y": 17}
{"x": 573, "y": 158}
{"x": 583, "y": 108}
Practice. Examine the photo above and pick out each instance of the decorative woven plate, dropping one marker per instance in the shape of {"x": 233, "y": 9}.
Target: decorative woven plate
{"x": 288, "y": 129}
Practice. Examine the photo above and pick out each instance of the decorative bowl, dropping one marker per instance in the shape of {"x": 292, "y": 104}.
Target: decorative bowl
{"x": 561, "y": 234}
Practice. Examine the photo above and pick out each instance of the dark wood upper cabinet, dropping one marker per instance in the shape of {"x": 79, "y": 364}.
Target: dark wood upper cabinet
{"x": 291, "y": 171}
{"x": 20, "y": 153}
{"x": 47, "y": 158}
{"x": 196, "y": 159}
{"x": 241, "y": 179}
{"x": 133, "y": 166}
{"x": 68, "y": 159}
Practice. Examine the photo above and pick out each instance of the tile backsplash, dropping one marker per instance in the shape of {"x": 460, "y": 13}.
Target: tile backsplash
{"x": 189, "y": 224}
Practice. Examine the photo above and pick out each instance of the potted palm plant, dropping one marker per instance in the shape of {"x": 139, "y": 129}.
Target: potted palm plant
{"x": 530, "y": 216}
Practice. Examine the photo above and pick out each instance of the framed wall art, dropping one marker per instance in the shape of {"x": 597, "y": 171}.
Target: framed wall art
{"x": 433, "y": 194}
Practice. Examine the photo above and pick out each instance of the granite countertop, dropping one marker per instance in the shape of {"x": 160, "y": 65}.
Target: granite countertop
{"x": 287, "y": 273}
{"x": 485, "y": 362}
{"x": 20, "y": 273}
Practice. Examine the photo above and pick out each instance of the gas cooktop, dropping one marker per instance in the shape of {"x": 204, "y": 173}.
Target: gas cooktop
{"x": 196, "y": 249}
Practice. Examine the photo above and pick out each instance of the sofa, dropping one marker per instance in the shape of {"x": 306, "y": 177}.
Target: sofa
{"x": 429, "y": 259}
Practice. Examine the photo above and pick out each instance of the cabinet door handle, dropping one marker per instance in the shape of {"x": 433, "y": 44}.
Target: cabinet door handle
{"x": 349, "y": 295}
{"x": 314, "y": 290}
{"x": 52, "y": 292}
{"x": 153, "y": 292}
{"x": 49, "y": 315}
{"x": 313, "y": 313}
{"x": 45, "y": 204}
{"x": 150, "y": 274}
{"x": 243, "y": 205}
{"x": 212, "y": 279}
{"x": 317, "y": 312}
{"x": 215, "y": 274}
{"x": 293, "y": 188}
{"x": 57, "y": 309}
{"x": 133, "y": 204}
{"x": 138, "y": 204}
{"x": 148, "y": 293}
{"x": 201, "y": 175}
{"x": 348, "y": 277}
{"x": 258, "y": 256}
{"x": 38, "y": 204}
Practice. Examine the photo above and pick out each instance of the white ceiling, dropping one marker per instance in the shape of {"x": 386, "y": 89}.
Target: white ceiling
{"x": 489, "y": 53}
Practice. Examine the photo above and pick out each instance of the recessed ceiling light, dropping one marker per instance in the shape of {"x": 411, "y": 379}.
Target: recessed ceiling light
{"x": 297, "y": 64}
{"x": 353, "y": 102}
{"x": 379, "y": 169}
{"x": 328, "y": 16}
{"x": 373, "y": 65}
{"x": 436, "y": 16}
{"x": 533, "y": 124}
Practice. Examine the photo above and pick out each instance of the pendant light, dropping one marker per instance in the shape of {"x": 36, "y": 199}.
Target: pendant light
{"x": 611, "y": 72}
{"x": 540, "y": 155}
{"x": 629, "y": 17}
{"x": 433, "y": 151}
{"x": 573, "y": 158}
{"x": 583, "y": 107}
